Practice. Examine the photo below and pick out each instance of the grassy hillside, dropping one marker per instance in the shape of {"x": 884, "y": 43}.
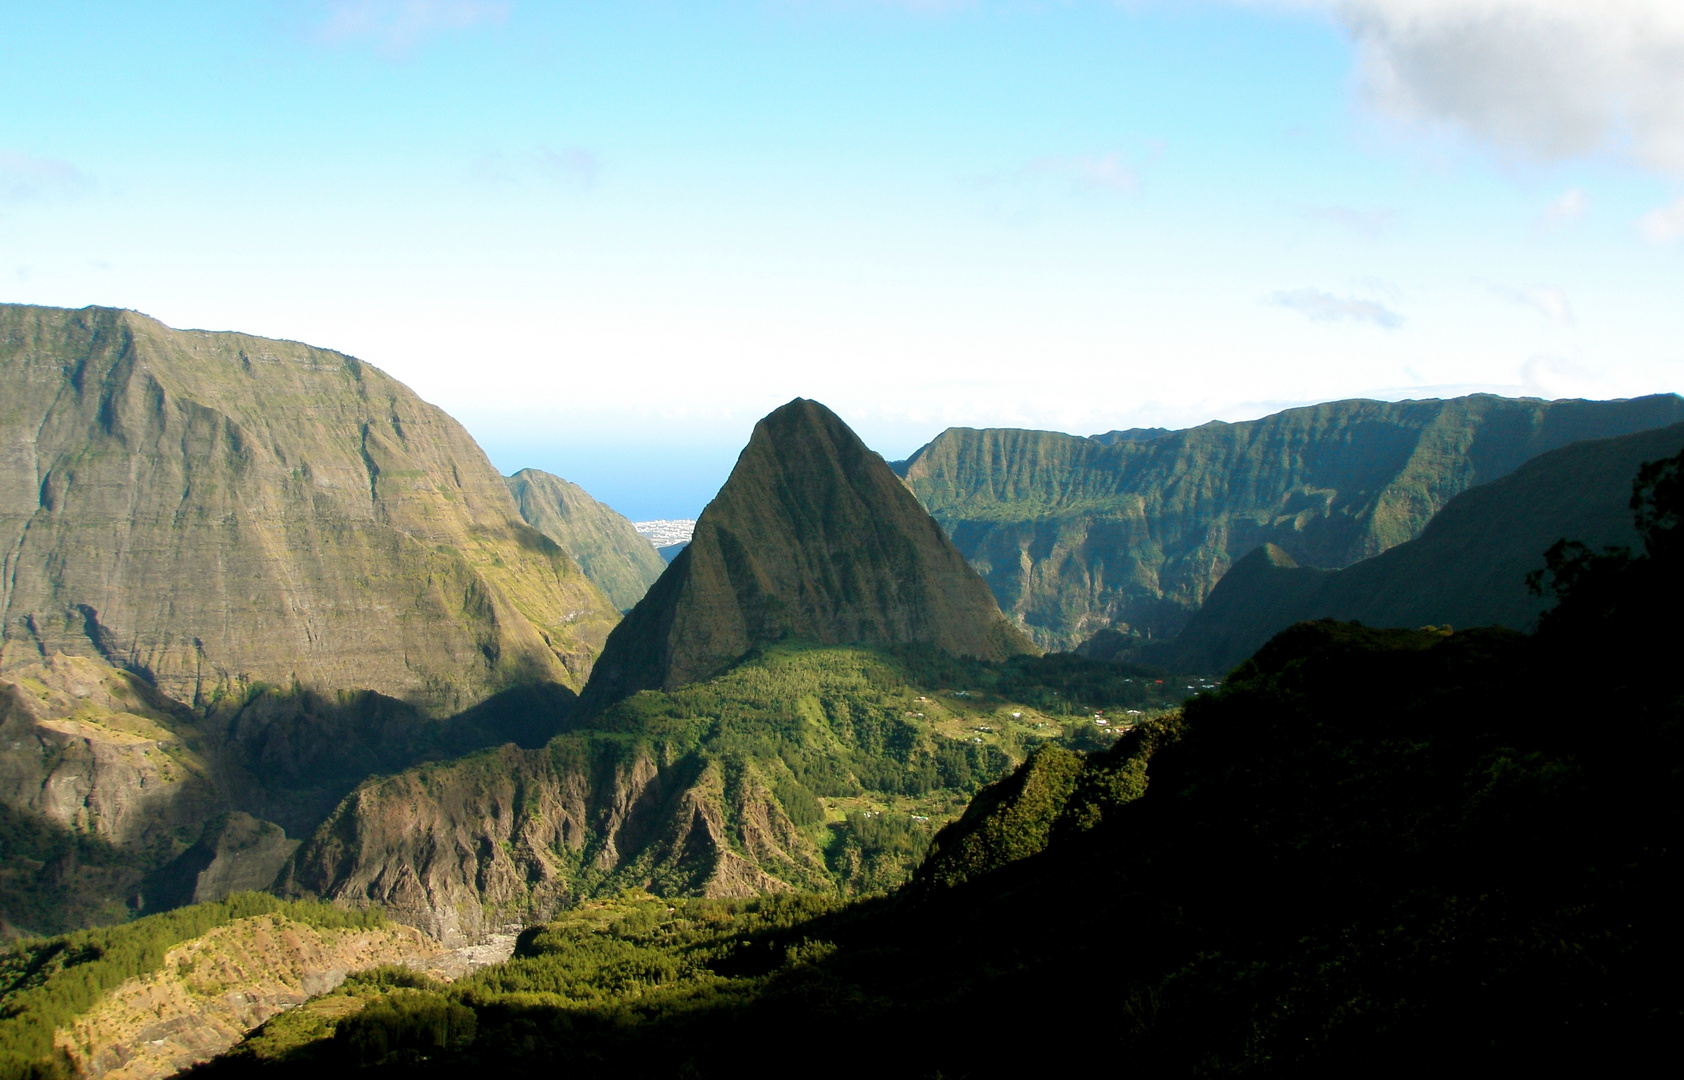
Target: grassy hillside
{"x": 1074, "y": 535}
{"x": 1372, "y": 851}
{"x": 612, "y": 554}
{"x": 1467, "y": 568}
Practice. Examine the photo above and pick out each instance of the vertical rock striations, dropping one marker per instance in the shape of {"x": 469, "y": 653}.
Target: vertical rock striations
{"x": 212, "y": 510}
{"x": 1133, "y": 529}
{"x": 1467, "y": 568}
{"x": 812, "y": 537}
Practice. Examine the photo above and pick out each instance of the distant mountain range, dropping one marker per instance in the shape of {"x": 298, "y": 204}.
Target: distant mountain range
{"x": 1467, "y": 568}
{"x": 610, "y": 549}
{"x": 1132, "y": 530}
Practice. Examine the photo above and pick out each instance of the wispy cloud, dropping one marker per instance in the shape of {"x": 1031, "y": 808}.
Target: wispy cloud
{"x": 398, "y": 26}
{"x": 1323, "y": 307}
{"x": 1571, "y": 206}
{"x": 1104, "y": 172}
{"x": 1368, "y": 223}
{"x": 1539, "y": 79}
{"x": 572, "y": 167}
{"x": 1548, "y": 300}
{"x": 1664, "y": 224}
{"x": 25, "y": 177}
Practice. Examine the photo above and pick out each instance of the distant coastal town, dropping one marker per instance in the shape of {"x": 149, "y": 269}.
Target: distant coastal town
{"x": 666, "y": 532}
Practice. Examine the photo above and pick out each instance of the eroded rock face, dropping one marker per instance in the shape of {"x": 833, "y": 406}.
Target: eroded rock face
{"x": 212, "y": 510}
{"x": 215, "y": 989}
{"x": 507, "y": 837}
{"x": 812, "y": 537}
{"x": 86, "y": 748}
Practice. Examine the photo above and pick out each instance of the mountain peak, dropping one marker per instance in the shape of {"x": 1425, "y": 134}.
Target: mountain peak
{"x": 812, "y": 537}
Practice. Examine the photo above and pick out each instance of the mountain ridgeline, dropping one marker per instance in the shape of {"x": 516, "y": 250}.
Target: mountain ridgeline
{"x": 1468, "y": 567}
{"x": 813, "y": 537}
{"x": 1133, "y": 529}
{"x": 213, "y": 511}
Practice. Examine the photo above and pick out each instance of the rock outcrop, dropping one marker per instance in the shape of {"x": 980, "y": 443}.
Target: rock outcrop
{"x": 213, "y": 510}
{"x": 510, "y": 836}
{"x": 92, "y": 750}
{"x": 613, "y": 554}
{"x": 812, "y": 537}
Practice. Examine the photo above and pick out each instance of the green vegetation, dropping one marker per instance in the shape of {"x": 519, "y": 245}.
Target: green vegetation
{"x": 827, "y": 769}
{"x": 1074, "y": 535}
{"x": 44, "y": 984}
{"x": 1369, "y": 851}
{"x": 895, "y": 725}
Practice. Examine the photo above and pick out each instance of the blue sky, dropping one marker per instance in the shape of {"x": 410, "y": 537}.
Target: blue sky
{"x": 609, "y": 236}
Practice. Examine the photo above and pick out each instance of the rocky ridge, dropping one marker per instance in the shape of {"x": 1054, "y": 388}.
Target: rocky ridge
{"x": 511, "y": 836}
{"x": 812, "y": 537}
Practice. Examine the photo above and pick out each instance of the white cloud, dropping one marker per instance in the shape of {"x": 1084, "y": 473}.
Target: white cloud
{"x": 1570, "y": 207}
{"x": 1539, "y": 79}
{"x": 1318, "y": 306}
{"x": 26, "y": 177}
{"x": 1664, "y": 224}
{"x": 397, "y": 26}
{"x": 1548, "y": 300}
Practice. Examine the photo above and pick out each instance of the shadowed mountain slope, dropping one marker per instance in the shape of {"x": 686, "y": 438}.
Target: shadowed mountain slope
{"x": 616, "y": 558}
{"x": 812, "y": 537}
{"x": 1467, "y": 568}
{"x": 1077, "y": 534}
{"x": 213, "y": 510}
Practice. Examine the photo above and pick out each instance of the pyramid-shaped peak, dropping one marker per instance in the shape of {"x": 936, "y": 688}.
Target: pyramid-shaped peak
{"x": 812, "y": 538}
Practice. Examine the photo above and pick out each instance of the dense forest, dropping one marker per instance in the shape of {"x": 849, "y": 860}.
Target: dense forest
{"x": 1368, "y": 851}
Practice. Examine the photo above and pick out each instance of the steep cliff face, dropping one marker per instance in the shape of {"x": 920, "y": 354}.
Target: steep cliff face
{"x": 812, "y": 537}
{"x": 1467, "y": 568}
{"x": 510, "y": 836}
{"x": 214, "y": 510}
{"x": 1074, "y": 535}
{"x": 609, "y": 549}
